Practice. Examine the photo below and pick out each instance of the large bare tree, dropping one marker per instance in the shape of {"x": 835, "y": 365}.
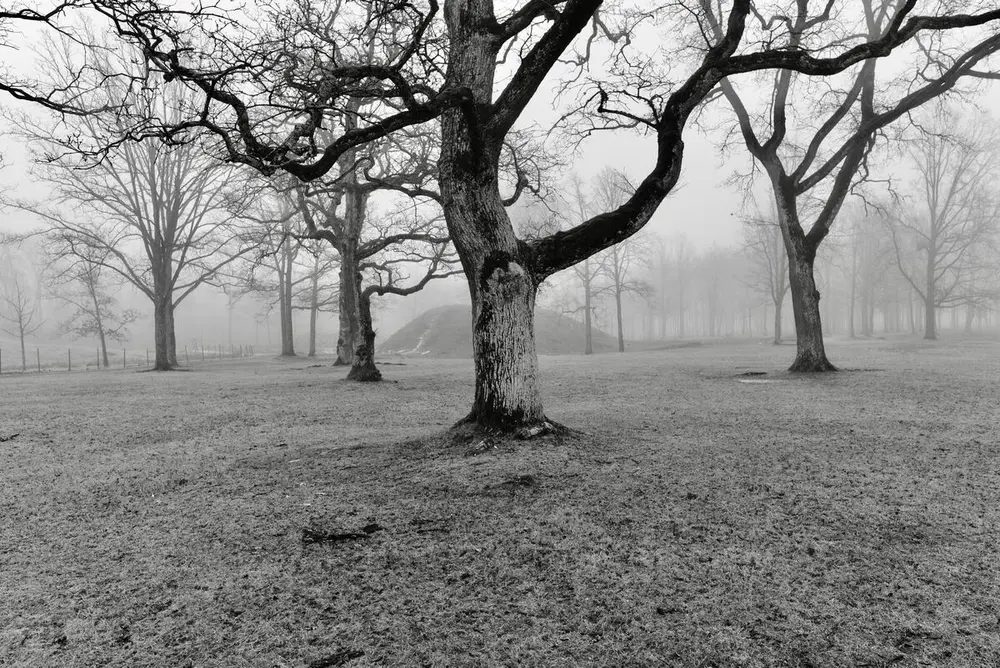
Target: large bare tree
{"x": 269, "y": 89}
{"x": 813, "y": 153}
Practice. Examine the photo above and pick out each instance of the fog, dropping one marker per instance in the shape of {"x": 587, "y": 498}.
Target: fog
{"x": 705, "y": 215}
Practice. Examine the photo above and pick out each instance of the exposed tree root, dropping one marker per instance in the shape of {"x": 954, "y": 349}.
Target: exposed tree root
{"x": 469, "y": 431}
{"x": 365, "y": 374}
{"x": 810, "y": 365}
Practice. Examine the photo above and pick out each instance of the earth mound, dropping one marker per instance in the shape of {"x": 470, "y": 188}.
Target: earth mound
{"x": 446, "y": 331}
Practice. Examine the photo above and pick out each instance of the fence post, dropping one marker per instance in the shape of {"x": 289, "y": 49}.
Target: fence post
{"x": 123, "y": 358}
{"x": 241, "y": 350}
{"x": 187, "y": 360}
{"x": 220, "y": 351}
{"x": 147, "y": 356}
{"x": 203, "y": 351}
{"x": 38, "y": 359}
{"x": 69, "y": 360}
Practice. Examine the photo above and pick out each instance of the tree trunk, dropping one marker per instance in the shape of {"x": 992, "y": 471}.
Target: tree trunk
{"x": 313, "y": 312}
{"x": 507, "y": 396}
{"x": 777, "y": 319}
{"x": 850, "y": 304}
{"x": 161, "y": 322}
{"x": 102, "y": 338}
{"x": 363, "y": 368}
{"x": 20, "y": 331}
{"x": 171, "y": 337}
{"x": 588, "y": 327}
{"x": 350, "y": 310}
{"x": 810, "y": 354}
{"x": 930, "y": 320}
{"x": 618, "y": 311}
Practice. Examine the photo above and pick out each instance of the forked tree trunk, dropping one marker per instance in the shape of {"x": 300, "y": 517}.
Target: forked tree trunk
{"x": 363, "y": 368}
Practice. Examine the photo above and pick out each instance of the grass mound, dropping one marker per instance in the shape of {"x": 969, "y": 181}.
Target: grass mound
{"x": 446, "y": 331}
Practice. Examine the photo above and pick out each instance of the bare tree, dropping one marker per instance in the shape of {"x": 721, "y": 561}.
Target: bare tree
{"x": 388, "y": 275}
{"x": 19, "y": 306}
{"x": 811, "y": 173}
{"x": 158, "y": 215}
{"x": 267, "y": 94}
{"x": 78, "y": 279}
{"x": 958, "y": 210}
{"x": 768, "y": 263}
{"x": 318, "y": 294}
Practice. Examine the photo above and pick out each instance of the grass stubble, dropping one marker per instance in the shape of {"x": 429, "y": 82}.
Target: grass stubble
{"x": 699, "y": 520}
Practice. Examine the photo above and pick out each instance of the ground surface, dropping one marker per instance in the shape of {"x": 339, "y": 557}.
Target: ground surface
{"x": 843, "y": 520}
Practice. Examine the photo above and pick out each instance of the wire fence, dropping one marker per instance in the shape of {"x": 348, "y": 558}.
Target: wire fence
{"x": 51, "y": 359}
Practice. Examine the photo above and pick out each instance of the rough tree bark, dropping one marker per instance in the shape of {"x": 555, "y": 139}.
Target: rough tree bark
{"x": 363, "y": 368}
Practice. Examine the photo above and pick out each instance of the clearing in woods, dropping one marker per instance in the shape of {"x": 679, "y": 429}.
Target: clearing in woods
{"x": 272, "y": 514}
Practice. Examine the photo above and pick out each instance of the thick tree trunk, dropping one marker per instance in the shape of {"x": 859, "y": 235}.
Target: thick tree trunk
{"x": 363, "y": 368}
{"x": 350, "y": 310}
{"x": 930, "y": 319}
{"x": 161, "y": 323}
{"x": 507, "y": 396}
{"x": 810, "y": 354}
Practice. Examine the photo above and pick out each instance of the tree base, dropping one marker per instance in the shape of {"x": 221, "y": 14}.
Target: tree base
{"x": 811, "y": 364}
{"x": 365, "y": 374}
{"x": 470, "y": 429}
{"x": 340, "y": 362}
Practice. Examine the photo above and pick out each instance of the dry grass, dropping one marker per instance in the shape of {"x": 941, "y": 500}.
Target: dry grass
{"x": 843, "y": 520}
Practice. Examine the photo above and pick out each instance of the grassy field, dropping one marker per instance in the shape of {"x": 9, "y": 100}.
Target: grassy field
{"x": 705, "y": 517}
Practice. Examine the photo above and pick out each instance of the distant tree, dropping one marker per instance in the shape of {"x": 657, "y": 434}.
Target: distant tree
{"x": 619, "y": 264}
{"x": 18, "y": 305}
{"x": 318, "y": 293}
{"x": 957, "y": 212}
{"x": 159, "y": 216}
{"x": 79, "y": 279}
{"x": 388, "y": 274}
{"x": 768, "y": 266}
